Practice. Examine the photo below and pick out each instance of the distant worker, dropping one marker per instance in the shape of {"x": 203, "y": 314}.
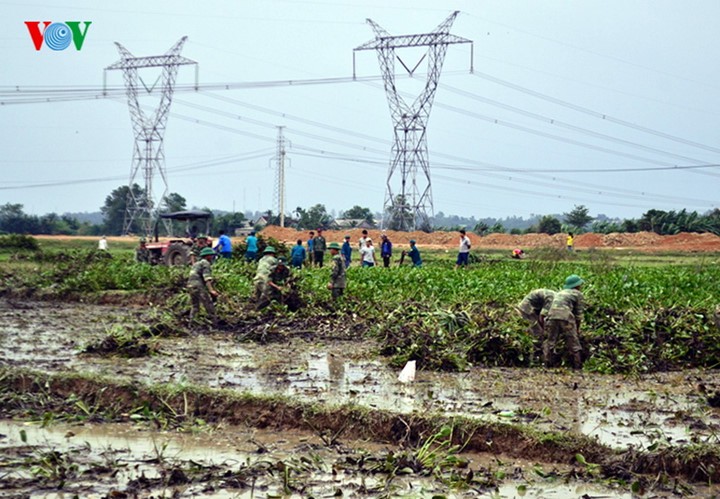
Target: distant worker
{"x": 337, "y": 275}
{"x": 518, "y": 254}
{"x": 201, "y": 242}
{"x": 361, "y": 243}
{"x": 103, "y": 244}
{"x": 200, "y": 286}
{"x": 192, "y": 232}
{"x": 386, "y": 250}
{"x": 570, "y": 241}
{"x": 464, "y": 250}
{"x": 564, "y": 317}
{"x": 142, "y": 253}
{"x": 265, "y": 268}
{"x": 319, "y": 247}
{"x": 311, "y": 248}
{"x": 346, "y": 252}
{"x": 534, "y": 308}
{"x": 252, "y": 247}
{"x": 297, "y": 255}
{"x": 414, "y": 254}
{"x": 224, "y": 245}
{"x": 367, "y": 253}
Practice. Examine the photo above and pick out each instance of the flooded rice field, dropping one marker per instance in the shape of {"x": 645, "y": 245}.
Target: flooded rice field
{"x": 662, "y": 410}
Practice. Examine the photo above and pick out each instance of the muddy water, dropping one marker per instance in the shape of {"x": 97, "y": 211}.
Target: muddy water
{"x": 110, "y": 457}
{"x": 662, "y": 408}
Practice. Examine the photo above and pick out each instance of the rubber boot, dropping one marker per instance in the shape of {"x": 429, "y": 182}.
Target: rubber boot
{"x": 577, "y": 361}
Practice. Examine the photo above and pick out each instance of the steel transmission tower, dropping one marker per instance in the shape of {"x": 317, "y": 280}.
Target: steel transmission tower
{"x": 279, "y": 194}
{"x": 409, "y": 206}
{"x": 149, "y": 131}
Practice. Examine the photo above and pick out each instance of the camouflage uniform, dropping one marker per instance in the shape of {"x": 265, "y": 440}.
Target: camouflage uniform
{"x": 536, "y": 304}
{"x": 337, "y": 276}
{"x": 278, "y": 276}
{"x": 564, "y": 317}
{"x": 319, "y": 248}
{"x": 266, "y": 266}
{"x": 200, "y": 273}
{"x": 142, "y": 254}
{"x": 196, "y": 248}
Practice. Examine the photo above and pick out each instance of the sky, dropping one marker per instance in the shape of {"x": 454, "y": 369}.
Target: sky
{"x": 610, "y": 104}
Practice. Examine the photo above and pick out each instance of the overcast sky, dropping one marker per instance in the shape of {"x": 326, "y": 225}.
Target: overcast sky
{"x": 602, "y": 103}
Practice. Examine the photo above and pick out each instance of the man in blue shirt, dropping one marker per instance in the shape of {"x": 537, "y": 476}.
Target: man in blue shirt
{"x": 414, "y": 254}
{"x": 346, "y": 251}
{"x": 252, "y": 248}
{"x": 297, "y": 255}
{"x": 224, "y": 245}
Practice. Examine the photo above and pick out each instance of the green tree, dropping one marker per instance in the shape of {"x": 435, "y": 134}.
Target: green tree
{"x": 173, "y": 202}
{"x": 229, "y": 222}
{"x": 548, "y": 224}
{"x": 360, "y": 213}
{"x": 314, "y": 217}
{"x": 481, "y": 228}
{"x": 14, "y": 220}
{"x": 115, "y": 206}
{"x": 578, "y": 218}
{"x": 400, "y": 216}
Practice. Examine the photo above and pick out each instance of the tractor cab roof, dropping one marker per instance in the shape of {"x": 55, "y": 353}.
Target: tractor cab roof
{"x": 187, "y": 215}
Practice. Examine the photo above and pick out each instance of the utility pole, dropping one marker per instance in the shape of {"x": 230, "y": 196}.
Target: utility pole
{"x": 409, "y": 206}
{"x": 149, "y": 131}
{"x": 280, "y": 176}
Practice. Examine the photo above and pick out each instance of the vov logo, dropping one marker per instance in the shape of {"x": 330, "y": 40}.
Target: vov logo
{"x": 57, "y": 36}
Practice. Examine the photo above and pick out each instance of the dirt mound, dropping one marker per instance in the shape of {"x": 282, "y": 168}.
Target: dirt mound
{"x": 645, "y": 241}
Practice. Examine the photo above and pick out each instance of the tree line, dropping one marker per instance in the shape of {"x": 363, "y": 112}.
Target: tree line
{"x": 13, "y": 220}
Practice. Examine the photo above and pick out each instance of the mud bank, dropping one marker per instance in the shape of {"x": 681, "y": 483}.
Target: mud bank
{"x": 698, "y": 463}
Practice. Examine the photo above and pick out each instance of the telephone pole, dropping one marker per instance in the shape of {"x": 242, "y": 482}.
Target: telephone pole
{"x": 279, "y": 196}
{"x": 149, "y": 131}
{"x": 409, "y": 205}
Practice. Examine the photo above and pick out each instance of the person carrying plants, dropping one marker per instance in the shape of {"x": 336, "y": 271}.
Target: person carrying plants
{"x": 337, "y": 275}
{"x": 534, "y": 308}
{"x": 464, "y": 251}
{"x": 414, "y": 255}
{"x": 200, "y": 286}
{"x": 319, "y": 248}
{"x": 279, "y": 275}
{"x": 142, "y": 253}
{"x": 262, "y": 279}
{"x": 564, "y": 317}
{"x": 346, "y": 251}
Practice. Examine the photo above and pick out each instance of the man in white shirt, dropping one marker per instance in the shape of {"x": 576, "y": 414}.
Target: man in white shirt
{"x": 464, "y": 252}
{"x": 102, "y": 244}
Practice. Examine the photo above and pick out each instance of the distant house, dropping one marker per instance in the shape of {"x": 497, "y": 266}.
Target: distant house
{"x": 260, "y": 222}
{"x": 351, "y": 223}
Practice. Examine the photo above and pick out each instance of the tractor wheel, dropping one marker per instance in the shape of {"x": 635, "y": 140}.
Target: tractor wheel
{"x": 177, "y": 254}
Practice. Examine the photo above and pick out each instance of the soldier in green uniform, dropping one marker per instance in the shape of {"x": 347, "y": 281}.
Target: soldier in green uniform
{"x": 142, "y": 253}
{"x": 319, "y": 248}
{"x": 534, "y": 308}
{"x": 266, "y": 267}
{"x": 278, "y": 278}
{"x": 200, "y": 285}
{"x": 337, "y": 276}
{"x": 199, "y": 243}
{"x": 564, "y": 317}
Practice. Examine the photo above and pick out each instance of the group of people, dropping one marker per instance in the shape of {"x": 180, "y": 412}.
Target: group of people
{"x": 553, "y": 314}
{"x": 313, "y": 253}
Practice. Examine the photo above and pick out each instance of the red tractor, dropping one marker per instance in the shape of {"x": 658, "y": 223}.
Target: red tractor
{"x": 176, "y": 250}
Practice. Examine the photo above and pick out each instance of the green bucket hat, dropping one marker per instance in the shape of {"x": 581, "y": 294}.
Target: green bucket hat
{"x": 335, "y": 246}
{"x": 143, "y": 240}
{"x": 412, "y": 241}
{"x": 201, "y": 236}
{"x": 269, "y": 249}
{"x": 573, "y": 281}
{"x": 206, "y": 252}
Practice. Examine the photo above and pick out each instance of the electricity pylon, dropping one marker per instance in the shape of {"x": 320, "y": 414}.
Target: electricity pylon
{"x": 149, "y": 131}
{"x": 410, "y": 206}
{"x": 279, "y": 193}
